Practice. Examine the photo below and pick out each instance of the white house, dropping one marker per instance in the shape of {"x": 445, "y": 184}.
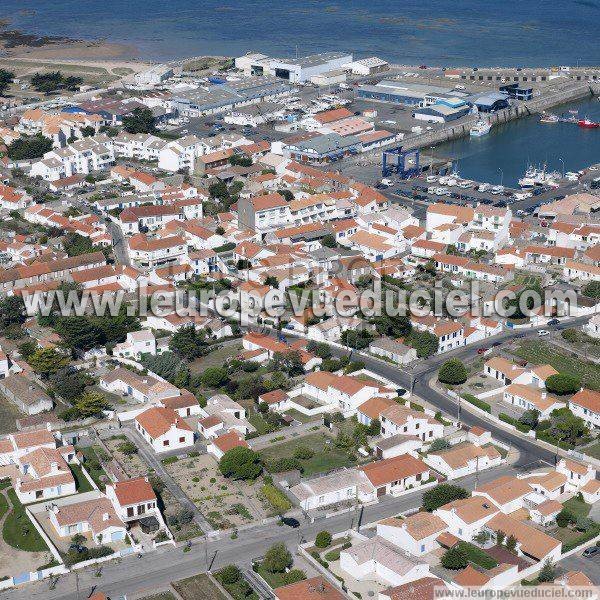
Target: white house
{"x": 136, "y": 344}
{"x": 529, "y": 398}
{"x": 223, "y": 443}
{"x": 465, "y": 518}
{"x": 464, "y": 459}
{"x": 133, "y": 499}
{"x": 586, "y": 404}
{"x": 417, "y": 534}
{"x": 399, "y": 419}
{"x": 378, "y": 558}
{"x": 164, "y": 429}
{"x": 394, "y": 476}
{"x": 578, "y": 474}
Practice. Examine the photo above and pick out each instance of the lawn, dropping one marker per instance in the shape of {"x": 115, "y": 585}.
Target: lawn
{"x": 160, "y": 596}
{"x": 593, "y": 450}
{"x": 216, "y": 358}
{"x": 301, "y": 417}
{"x": 326, "y": 456}
{"x": 238, "y": 590}
{"x": 3, "y": 505}
{"x": 540, "y": 352}
{"x": 577, "y": 507}
{"x": 8, "y": 416}
{"x": 93, "y": 467}
{"x": 18, "y": 530}
{"x": 478, "y": 556}
{"x": 274, "y": 580}
{"x": 81, "y": 481}
{"x": 198, "y": 587}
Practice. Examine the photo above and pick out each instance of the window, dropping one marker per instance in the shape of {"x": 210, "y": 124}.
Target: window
{"x": 422, "y": 547}
{"x": 166, "y": 443}
{"x": 181, "y": 439}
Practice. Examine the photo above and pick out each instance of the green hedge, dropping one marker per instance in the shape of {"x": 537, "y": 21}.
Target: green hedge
{"x": 516, "y": 423}
{"x": 478, "y": 403}
{"x": 276, "y": 499}
{"x": 417, "y": 407}
{"x": 586, "y": 536}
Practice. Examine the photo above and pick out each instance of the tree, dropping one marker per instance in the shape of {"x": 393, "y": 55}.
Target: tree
{"x": 562, "y": 384}
{"x": 88, "y": 131}
{"x": 28, "y": 147}
{"x": 127, "y": 448}
{"x": 500, "y": 537}
{"x": 229, "y": 574}
{"x": 455, "y": 558}
{"x": 188, "y": 343}
{"x": 277, "y": 559}
{"x": 54, "y": 81}
{"x": 141, "y": 120}
{"x": 288, "y": 362}
{"x": 12, "y": 311}
{"x": 323, "y": 539}
{"x": 329, "y": 241}
{"x": 91, "y": 404}
{"x": 47, "y": 361}
{"x": 511, "y": 543}
{"x": 584, "y": 523}
{"x": 241, "y": 161}
{"x": 547, "y": 572}
{"x": 453, "y": 372}
{"x": 272, "y": 281}
{"x": 6, "y": 78}
{"x": 439, "y": 444}
{"x": 357, "y": 339}
{"x": 240, "y": 463}
{"x": 70, "y": 383}
{"x": 531, "y": 418}
{"x": 426, "y": 344}
{"x": 78, "y": 539}
{"x": 375, "y": 427}
{"x": 392, "y": 326}
{"x": 592, "y": 289}
{"x": 26, "y": 349}
{"x": 442, "y": 494}
{"x": 566, "y": 427}
{"x": 565, "y": 517}
{"x": 167, "y": 365}
{"x": 214, "y": 377}
{"x": 79, "y": 333}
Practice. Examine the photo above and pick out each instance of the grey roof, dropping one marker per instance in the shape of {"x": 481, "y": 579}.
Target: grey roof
{"x": 328, "y": 143}
{"x": 313, "y": 60}
{"x": 394, "y": 440}
{"x": 390, "y": 345}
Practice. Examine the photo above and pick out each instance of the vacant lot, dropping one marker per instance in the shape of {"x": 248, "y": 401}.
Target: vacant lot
{"x": 326, "y": 456}
{"x": 198, "y": 587}
{"x": 593, "y": 450}
{"x": 224, "y": 502}
{"x": 217, "y": 357}
{"x": 539, "y": 352}
{"x": 133, "y": 465}
{"x": 8, "y": 416}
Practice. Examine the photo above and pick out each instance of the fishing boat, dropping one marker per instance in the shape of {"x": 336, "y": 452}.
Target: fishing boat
{"x": 549, "y": 118}
{"x": 537, "y": 177}
{"x": 588, "y": 124}
{"x": 480, "y": 128}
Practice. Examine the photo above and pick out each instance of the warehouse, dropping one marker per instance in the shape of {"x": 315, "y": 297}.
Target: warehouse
{"x": 255, "y": 114}
{"x": 410, "y": 94}
{"x": 441, "y": 113}
{"x": 334, "y": 77}
{"x": 368, "y": 66}
{"x": 230, "y": 95}
{"x": 300, "y": 70}
{"x": 490, "y": 102}
{"x": 322, "y": 148}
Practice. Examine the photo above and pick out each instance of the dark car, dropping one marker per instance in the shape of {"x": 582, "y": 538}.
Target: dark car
{"x": 500, "y": 204}
{"x": 553, "y": 322}
{"x": 482, "y": 350}
{"x": 77, "y": 548}
{"x": 591, "y": 551}
{"x": 496, "y": 344}
{"x": 290, "y": 522}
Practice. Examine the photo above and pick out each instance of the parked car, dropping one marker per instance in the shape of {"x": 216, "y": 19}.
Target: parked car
{"x": 553, "y": 322}
{"x": 591, "y": 551}
{"x": 543, "y": 332}
{"x": 290, "y": 522}
{"x": 482, "y": 350}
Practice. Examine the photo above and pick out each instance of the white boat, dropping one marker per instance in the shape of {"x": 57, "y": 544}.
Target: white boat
{"x": 480, "y": 128}
{"x": 535, "y": 177}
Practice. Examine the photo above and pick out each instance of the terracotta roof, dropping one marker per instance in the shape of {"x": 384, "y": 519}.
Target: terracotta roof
{"x": 471, "y": 510}
{"x": 157, "y": 421}
{"x": 470, "y": 577}
{"x": 420, "y": 589}
{"x": 420, "y": 525}
{"x": 505, "y": 489}
{"x": 29, "y": 439}
{"x": 588, "y": 399}
{"x": 540, "y": 400}
{"x": 99, "y": 513}
{"x": 134, "y": 491}
{"x": 385, "y": 471}
{"x": 533, "y": 542}
{"x": 273, "y": 397}
{"x": 460, "y": 455}
{"x": 329, "y": 116}
{"x": 228, "y": 441}
{"x": 375, "y": 406}
{"x": 549, "y": 507}
{"x": 316, "y": 588}
{"x": 268, "y": 201}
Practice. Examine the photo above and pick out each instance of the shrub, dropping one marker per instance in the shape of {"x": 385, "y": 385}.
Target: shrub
{"x": 276, "y": 499}
{"x": 240, "y": 463}
{"x": 477, "y": 402}
{"x": 277, "y": 559}
{"x": 229, "y": 574}
{"x": 442, "y": 494}
{"x": 303, "y": 453}
{"x": 439, "y": 444}
{"x": 323, "y": 539}
{"x": 453, "y": 372}
{"x": 455, "y": 559}
{"x": 561, "y": 384}
{"x": 517, "y": 424}
{"x": 547, "y": 572}
{"x": 284, "y": 464}
{"x": 333, "y": 555}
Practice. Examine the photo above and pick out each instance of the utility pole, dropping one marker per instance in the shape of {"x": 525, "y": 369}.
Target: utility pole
{"x": 458, "y": 412}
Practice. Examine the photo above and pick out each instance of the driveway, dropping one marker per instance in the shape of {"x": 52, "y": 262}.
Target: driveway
{"x": 155, "y": 463}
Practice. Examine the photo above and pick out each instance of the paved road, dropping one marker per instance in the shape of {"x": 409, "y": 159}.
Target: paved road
{"x": 154, "y": 571}
{"x": 119, "y": 244}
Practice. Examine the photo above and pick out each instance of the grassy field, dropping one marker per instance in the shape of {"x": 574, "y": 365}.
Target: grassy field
{"x": 302, "y": 418}
{"x": 478, "y": 556}
{"x": 326, "y": 457}
{"x": 18, "y": 530}
{"x": 3, "y": 505}
{"x": 539, "y": 352}
{"x": 81, "y": 481}
{"x": 577, "y": 507}
{"x": 92, "y": 465}
{"x": 160, "y": 596}
{"x": 216, "y": 358}
{"x": 9, "y": 414}
{"x": 198, "y": 587}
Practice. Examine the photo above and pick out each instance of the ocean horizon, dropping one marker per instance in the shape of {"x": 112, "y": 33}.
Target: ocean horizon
{"x": 436, "y": 32}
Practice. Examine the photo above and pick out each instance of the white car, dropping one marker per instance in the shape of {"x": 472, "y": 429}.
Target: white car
{"x": 431, "y": 179}
{"x": 543, "y": 332}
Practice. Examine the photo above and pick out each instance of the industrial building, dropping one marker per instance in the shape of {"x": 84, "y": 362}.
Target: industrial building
{"x": 441, "y": 113}
{"x": 516, "y": 92}
{"x": 154, "y": 75}
{"x": 227, "y": 96}
{"x": 323, "y": 148}
{"x": 334, "y": 77}
{"x": 410, "y": 94}
{"x": 295, "y": 70}
{"x": 490, "y": 102}
{"x": 368, "y": 66}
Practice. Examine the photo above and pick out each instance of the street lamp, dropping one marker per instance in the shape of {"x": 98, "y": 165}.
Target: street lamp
{"x": 563, "y": 166}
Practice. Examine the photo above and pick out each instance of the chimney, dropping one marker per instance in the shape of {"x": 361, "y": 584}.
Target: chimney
{"x": 544, "y": 394}
{"x": 105, "y": 517}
